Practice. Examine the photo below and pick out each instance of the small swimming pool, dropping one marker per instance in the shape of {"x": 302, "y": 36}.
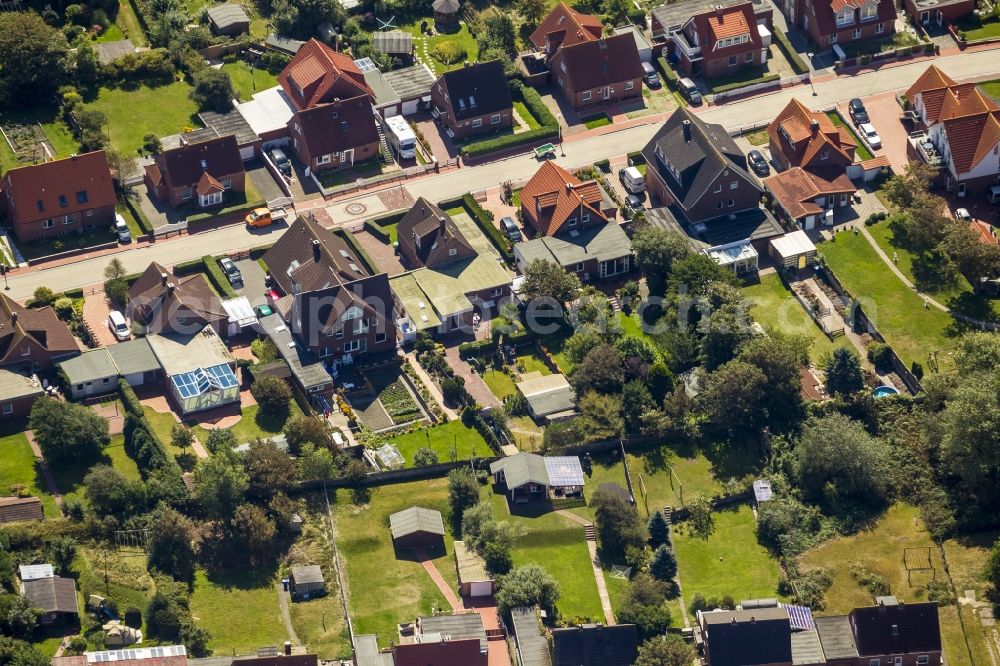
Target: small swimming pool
{"x": 883, "y": 391}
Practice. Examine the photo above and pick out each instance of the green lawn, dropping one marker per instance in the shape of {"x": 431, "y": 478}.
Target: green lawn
{"x": 557, "y": 544}
{"x": 921, "y": 272}
{"x": 656, "y": 487}
{"x": 992, "y": 88}
{"x": 253, "y": 424}
{"x": 758, "y": 138}
{"x": 526, "y": 116}
{"x": 319, "y": 624}
{"x": 128, "y": 23}
{"x": 527, "y": 435}
{"x": 112, "y": 34}
{"x": 533, "y": 362}
{"x": 870, "y": 47}
{"x": 630, "y": 324}
{"x": 445, "y": 440}
{"x": 72, "y": 241}
{"x": 17, "y": 467}
{"x": 335, "y": 177}
{"x": 118, "y": 575}
{"x": 115, "y": 451}
{"x": 133, "y": 113}
{"x": 774, "y": 307}
{"x": 898, "y": 312}
{"x": 258, "y": 622}
{"x": 974, "y": 27}
{"x": 463, "y": 38}
{"x": 247, "y": 80}
{"x": 594, "y": 122}
{"x": 729, "y": 562}
{"x": 501, "y": 384}
{"x": 862, "y": 152}
{"x": 967, "y": 555}
{"x": 386, "y": 588}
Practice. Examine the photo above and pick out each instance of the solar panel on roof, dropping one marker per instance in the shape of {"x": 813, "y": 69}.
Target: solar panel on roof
{"x": 365, "y": 65}
{"x": 800, "y": 617}
{"x": 564, "y": 471}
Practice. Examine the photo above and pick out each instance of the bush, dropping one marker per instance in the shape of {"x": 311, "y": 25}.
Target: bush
{"x": 452, "y": 390}
{"x": 449, "y": 52}
{"x": 604, "y": 165}
{"x": 217, "y": 278}
{"x": 484, "y": 220}
{"x": 424, "y": 456}
{"x": 791, "y": 54}
{"x": 43, "y": 296}
{"x": 669, "y": 75}
{"x": 880, "y": 354}
{"x": 272, "y": 394}
{"x": 726, "y": 87}
{"x": 875, "y": 583}
{"x": 139, "y": 216}
{"x": 636, "y": 158}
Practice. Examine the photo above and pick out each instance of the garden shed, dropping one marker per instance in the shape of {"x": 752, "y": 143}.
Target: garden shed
{"x": 228, "y": 19}
{"x": 473, "y": 579}
{"x": 417, "y": 527}
{"x": 54, "y": 596}
{"x": 549, "y": 397}
{"x": 446, "y": 11}
{"x": 793, "y": 250}
{"x": 306, "y": 581}
{"x": 91, "y": 373}
{"x": 397, "y": 43}
{"x": 17, "y": 509}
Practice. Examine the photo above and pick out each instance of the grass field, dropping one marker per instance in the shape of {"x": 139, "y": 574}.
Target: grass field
{"x": 247, "y": 80}
{"x": 319, "y": 624}
{"x": 386, "y": 588}
{"x": 445, "y": 439}
{"x": 258, "y": 622}
{"x": 17, "y": 467}
{"x": 967, "y": 557}
{"x": 655, "y": 488}
{"x": 729, "y": 562}
{"x": 881, "y": 550}
{"x": 253, "y": 424}
{"x": 525, "y": 115}
{"x": 462, "y": 38}
{"x": 129, "y": 25}
{"x": 774, "y": 307}
{"x": 527, "y": 435}
{"x": 501, "y": 384}
{"x": 958, "y": 296}
{"x": 131, "y": 114}
{"x": 898, "y": 313}
{"x": 73, "y": 241}
{"x": 974, "y": 28}
{"x": 593, "y": 122}
{"x": 991, "y": 88}
{"x": 605, "y": 469}
{"x": 758, "y": 138}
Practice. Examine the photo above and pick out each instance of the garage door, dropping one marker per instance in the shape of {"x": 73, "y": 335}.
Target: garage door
{"x": 481, "y": 589}
{"x": 134, "y": 379}
{"x": 410, "y": 107}
{"x": 246, "y": 153}
{"x": 389, "y": 111}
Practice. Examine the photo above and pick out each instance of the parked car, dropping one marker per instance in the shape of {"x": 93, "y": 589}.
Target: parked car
{"x": 634, "y": 202}
{"x": 118, "y": 325}
{"x": 124, "y": 235}
{"x": 859, "y": 114}
{"x": 962, "y": 215}
{"x": 510, "y": 229}
{"x": 258, "y": 217}
{"x": 281, "y": 161}
{"x": 758, "y": 163}
{"x": 689, "y": 90}
{"x": 232, "y": 272}
{"x": 650, "y": 76}
{"x": 870, "y": 136}
{"x": 632, "y": 180}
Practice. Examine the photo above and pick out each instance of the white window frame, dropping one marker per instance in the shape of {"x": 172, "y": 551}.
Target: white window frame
{"x": 749, "y": 57}
{"x": 323, "y": 159}
{"x": 869, "y": 11}
{"x": 832, "y": 39}
{"x": 227, "y": 184}
{"x": 717, "y": 188}
{"x": 585, "y": 218}
{"x": 495, "y": 119}
{"x": 67, "y": 219}
{"x": 879, "y": 28}
{"x": 359, "y": 345}
{"x": 585, "y": 96}
{"x": 734, "y": 185}
{"x": 571, "y": 222}
{"x": 874, "y": 661}
{"x": 478, "y": 122}
{"x": 732, "y": 203}
{"x": 496, "y": 292}
{"x": 856, "y": 34}
{"x": 186, "y": 193}
{"x": 733, "y": 61}
{"x": 379, "y": 337}
{"x": 47, "y": 224}
{"x": 629, "y": 85}
{"x": 8, "y": 408}
{"x": 845, "y": 17}
{"x": 579, "y": 267}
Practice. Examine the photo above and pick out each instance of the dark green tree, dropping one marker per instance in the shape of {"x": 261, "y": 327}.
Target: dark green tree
{"x": 659, "y": 530}
{"x": 34, "y": 59}
{"x": 601, "y": 371}
{"x": 463, "y": 492}
{"x": 67, "y": 432}
{"x": 618, "y": 525}
{"x": 527, "y": 586}
{"x": 272, "y": 395}
{"x": 171, "y": 544}
{"x": 843, "y": 373}
{"x": 669, "y": 650}
{"x": 663, "y": 566}
{"x": 213, "y": 90}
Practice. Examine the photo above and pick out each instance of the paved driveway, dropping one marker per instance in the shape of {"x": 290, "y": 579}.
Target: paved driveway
{"x": 95, "y": 312}
{"x": 253, "y": 281}
{"x": 884, "y": 112}
{"x": 263, "y": 181}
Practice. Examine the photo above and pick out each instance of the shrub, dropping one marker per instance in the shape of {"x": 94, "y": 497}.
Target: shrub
{"x": 880, "y": 354}
{"x": 272, "y": 394}
{"x": 484, "y": 220}
{"x": 726, "y": 87}
{"x": 451, "y": 389}
{"x": 669, "y": 75}
{"x": 139, "y": 216}
{"x": 43, "y": 296}
{"x": 875, "y": 583}
{"x": 64, "y": 308}
{"x": 424, "y": 457}
{"x": 216, "y": 277}
{"x": 604, "y": 165}
{"x": 449, "y": 52}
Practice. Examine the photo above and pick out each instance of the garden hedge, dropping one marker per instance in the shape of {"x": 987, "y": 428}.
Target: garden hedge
{"x": 636, "y": 158}
{"x": 376, "y": 225}
{"x": 669, "y": 75}
{"x": 216, "y": 277}
{"x": 189, "y": 267}
{"x": 484, "y": 219}
{"x": 767, "y": 78}
{"x": 139, "y": 216}
{"x": 533, "y": 102}
{"x": 791, "y": 54}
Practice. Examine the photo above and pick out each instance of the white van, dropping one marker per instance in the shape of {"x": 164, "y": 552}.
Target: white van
{"x": 401, "y": 137}
{"x": 632, "y": 180}
{"x": 118, "y": 326}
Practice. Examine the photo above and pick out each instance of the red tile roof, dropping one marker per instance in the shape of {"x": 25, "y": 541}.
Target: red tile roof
{"x": 609, "y": 61}
{"x": 207, "y": 185}
{"x": 61, "y": 187}
{"x": 731, "y": 22}
{"x": 826, "y": 11}
{"x": 796, "y": 189}
{"x": 971, "y": 138}
{"x": 445, "y": 653}
{"x": 553, "y": 195}
{"x": 186, "y": 165}
{"x": 932, "y": 78}
{"x": 339, "y": 126}
{"x": 318, "y": 74}
{"x": 796, "y": 120}
{"x": 34, "y": 328}
{"x": 566, "y": 26}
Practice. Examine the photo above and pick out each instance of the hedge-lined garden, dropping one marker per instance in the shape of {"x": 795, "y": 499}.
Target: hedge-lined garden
{"x": 548, "y": 126}
{"x": 799, "y": 65}
{"x": 484, "y": 220}
{"x": 216, "y": 277}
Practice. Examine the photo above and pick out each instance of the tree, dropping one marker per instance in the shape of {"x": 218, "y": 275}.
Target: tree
{"x": 67, "y": 432}
{"x": 775, "y": 355}
{"x": 425, "y": 456}
{"x": 547, "y": 279}
{"x": 970, "y": 426}
{"x": 978, "y": 351}
{"x": 269, "y": 470}
{"x": 601, "y": 371}
{"x": 181, "y": 436}
{"x": 480, "y": 528}
{"x": 272, "y": 394}
{"x": 700, "y": 520}
{"x": 253, "y": 533}
{"x": 499, "y": 33}
{"x": 220, "y": 484}
{"x": 315, "y": 463}
{"x": 973, "y": 258}
{"x": 669, "y": 650}
{"x": 171, "y": 544}
{"x": 658, "y": 528}
{"x": 20, "y": 619}
{"x": 636, "y": 400}
{"x": 117, "y": 292}
{"x": 62, "y": 550}
{"x": 693, "y": 274}
{"x": 303, "y": 430}
{"x": 644, "y": 604}
{"x": 19, "y": 653}
{"x": 618, "y": 525}
{"x": 463, "y": 492}
{"x": 533, "y": 11}
{"x": 34, "y": 59}
{"x": 527, "y": 586}
{"x": 115, "y": 269}
{"x": 213, "y": 90}
{"x": 221, "y": 440}
{"x": 836, "y": 459}
{"x": 734, "y": 398}
{"x": 724, "y": 332}
{"x": 843, "y": 372}
{"x": 655, "y": 252}
{"x": 299, "y": 19}
{"x": 151, "y": 143}
{"x": 907, "y": 190}
{"x": 43, "y": 296}
{"x": 601, "y": 416}
{"x": 663, "y": 566}
{"x": 110, "y": 493}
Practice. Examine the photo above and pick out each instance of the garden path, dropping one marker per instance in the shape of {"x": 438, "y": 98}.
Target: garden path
{"x": 286, "y": 617}
{"x": 432, "y": 571}
{"x": 432, "y": 388}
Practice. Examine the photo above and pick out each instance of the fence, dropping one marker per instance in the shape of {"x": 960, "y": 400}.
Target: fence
{"x": 170, "y": 229}
{"x": 757, "y": 87}
{"x": 383, "y": 179}
{"x": 895, "y": 54}
{"x": 683, "y": 513}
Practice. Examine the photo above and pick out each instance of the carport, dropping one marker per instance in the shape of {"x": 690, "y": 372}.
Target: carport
{"x": 240, "y": 313}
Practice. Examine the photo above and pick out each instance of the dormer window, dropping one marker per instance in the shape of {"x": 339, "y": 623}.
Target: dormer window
{"x": 62, "y": 201}
{"x": 824, "y": 154}
{"x": 81, "y": 197}
{"x": 353, "y": 312}
{"x": 869, "y": 11}
{"x": 845, "y": 16}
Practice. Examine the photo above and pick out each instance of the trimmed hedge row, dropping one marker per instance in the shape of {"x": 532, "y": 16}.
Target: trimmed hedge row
{"x": 533, "y": 101}
{"x": 484, "y": 219}
{"x": 669, "y": 75}
{"x": 478, "y": 349}
{"x": 796, "y": 62}
{"x": 636, "y": 158}
{"x": 216, "y": 277}
{"x": 767, "y": 78}
{"x": 150, "y": 454}
{"x": 139, "y": 216}
{"x": 189, "y": 267}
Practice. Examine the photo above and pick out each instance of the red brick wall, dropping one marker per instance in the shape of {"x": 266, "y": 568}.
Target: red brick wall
{"x": 176, "y": 198}
{"x": 745, "y": 196}
{"x": 720, "y": 66}
{"x": 34, "y": 229}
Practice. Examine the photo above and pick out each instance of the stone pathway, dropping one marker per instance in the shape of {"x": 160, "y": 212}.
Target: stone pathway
{"x": 431, "y": 386}
{"x": 286, "y": 616}
{"x": 50, "y": 481}
{"x": 432, "y": 571}
{"x": 602, "y": 585}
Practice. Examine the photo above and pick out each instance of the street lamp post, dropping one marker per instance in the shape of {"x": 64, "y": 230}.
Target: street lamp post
{"x": 810, "y": 63}
{"x": 562, "y": 151}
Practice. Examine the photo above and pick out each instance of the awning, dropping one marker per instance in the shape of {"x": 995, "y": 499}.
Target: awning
{"x": 240, "y": 311}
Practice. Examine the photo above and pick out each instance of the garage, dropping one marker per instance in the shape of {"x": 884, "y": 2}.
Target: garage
{"x": 410, "y": 107}
{"x": 135, "y": 362}
{"x": 412, "y": 86}
{"x": 473, "y": 579}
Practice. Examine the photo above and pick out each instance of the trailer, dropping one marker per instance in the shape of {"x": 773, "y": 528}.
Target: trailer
{"x": 401, "y": 137}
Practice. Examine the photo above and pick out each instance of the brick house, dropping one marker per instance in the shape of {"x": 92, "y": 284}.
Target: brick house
{"x": 720, "y": 41}
{"x": 333, "y": 304}
{"x": 805, "y": 196}
{"x": 962, "y": 137}
{"x": 428, "y": 237}
{"x": 58, "y": 197}
{"x": 938, "y": 12}
{"x": 319, "y": 75}
{"x": 165, "y": 303}
{"x": 200, "y": 174}
{"x": 335, "y": 135}
{"x": 669, "y": 18}
{"x": 799, "y": 137}
{"x": 831, "y": 22}
{"x": 573, "y": 226}
{"x": 31, "y": 339}
{"x": 587, "y": 68}
{"x": 474, "y": 99}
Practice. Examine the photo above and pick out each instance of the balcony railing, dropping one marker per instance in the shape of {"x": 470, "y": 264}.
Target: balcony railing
{"x": 680, "y": 39}
{"x": 926, "y": 150}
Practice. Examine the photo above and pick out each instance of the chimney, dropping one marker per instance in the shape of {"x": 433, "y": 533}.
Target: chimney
{"x": 753, "y": 620}
{"x": 687, "y": 130}
{"x": 316, "y": 252}
{"x": 288, "y": 648}
{"x": 443, "y": 221}
{"x": 814, "y": 125}
{"x": 170, "y": 287}
{"x": 718, "y": 10}
{"x": 163, "y": 279}
{"x": 13, "y": 318}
